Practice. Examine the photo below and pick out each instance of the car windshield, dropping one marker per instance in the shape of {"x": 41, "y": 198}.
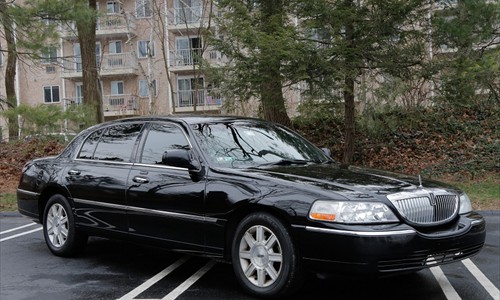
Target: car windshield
{"x": 252, "y": 144}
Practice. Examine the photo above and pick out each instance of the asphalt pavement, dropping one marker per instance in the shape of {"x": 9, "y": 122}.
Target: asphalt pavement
{"x": 111, "y": 269}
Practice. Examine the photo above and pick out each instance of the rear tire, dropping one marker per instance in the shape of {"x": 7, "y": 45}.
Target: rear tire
{"x": 59, "y": 228}
{"x": 264, "y": 258}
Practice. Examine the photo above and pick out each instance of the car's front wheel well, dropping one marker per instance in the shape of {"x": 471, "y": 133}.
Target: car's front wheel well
{"x": 241, "y": 213}
{"x": 44, "y": 198}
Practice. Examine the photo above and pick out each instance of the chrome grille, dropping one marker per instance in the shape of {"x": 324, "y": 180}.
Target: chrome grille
{"x": 428, "y": 210}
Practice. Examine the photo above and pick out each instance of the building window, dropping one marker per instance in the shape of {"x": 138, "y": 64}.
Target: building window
{"x": 144, "y": 88}
{"x": 51, "y": 93}
{"x": 49, "y": 55}
{"x": 145, "y": 49}
{"x": 116, "y": 87}
{"x": 112, "y": 7}
{"x": 48, "y": 20}
{"x": 115, "y": 47}
{"x": 143, "y": 8}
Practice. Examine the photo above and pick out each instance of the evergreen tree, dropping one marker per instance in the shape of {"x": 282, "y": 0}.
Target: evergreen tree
{"x": 262, "y": 44}
{"x": 466, "y": 36}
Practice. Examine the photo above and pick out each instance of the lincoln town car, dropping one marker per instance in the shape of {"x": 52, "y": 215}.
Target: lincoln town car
{"x": 245, "y": 191}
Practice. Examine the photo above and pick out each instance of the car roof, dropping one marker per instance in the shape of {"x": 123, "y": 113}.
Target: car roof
{"x": 189, "y": 119}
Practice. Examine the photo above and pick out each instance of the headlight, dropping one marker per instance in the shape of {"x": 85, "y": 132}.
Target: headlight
{"x": 465, "y": 205}
{"x": 351, "y": 212}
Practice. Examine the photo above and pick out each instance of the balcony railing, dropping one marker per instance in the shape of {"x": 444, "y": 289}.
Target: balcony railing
{"x": 107, "y": 25}
{"x": 108, "y": 64}
{"x": 115, "y": 24}
{"x": 115, "y": 105}
{"x": 182, "y": 16}
{"x": 114, "y": 61}
{"x": 202, "y": 98}
{"x": 190, "y": 57}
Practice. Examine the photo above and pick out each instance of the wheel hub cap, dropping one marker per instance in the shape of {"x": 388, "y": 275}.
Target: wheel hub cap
{"x": 259, "y": 256}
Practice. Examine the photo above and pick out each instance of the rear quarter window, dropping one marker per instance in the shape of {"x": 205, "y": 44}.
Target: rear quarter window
{"x": 114, "y": 143}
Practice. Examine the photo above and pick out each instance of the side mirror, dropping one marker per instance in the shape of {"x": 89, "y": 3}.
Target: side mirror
{"x": 180, "y": 158}
{"x": 327, "y": 152}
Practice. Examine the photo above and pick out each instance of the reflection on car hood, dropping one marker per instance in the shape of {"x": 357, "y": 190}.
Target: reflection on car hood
{"x": 352, "y": 182}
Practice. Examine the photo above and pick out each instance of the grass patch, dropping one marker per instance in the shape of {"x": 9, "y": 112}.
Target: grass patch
{"x": 484, "y": 194}
{"x": 8, "y": 202}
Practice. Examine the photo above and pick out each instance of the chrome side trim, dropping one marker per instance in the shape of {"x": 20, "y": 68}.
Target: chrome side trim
{"x": 160, "y": 166}
{"x": 476, "y": 222}
{"x": 103, "y": 204}
{"x": 149, "y": 211}
{"x": 28, "y": 192}
{"x": 360, "y": 233}
{"x": 103, "y": 161}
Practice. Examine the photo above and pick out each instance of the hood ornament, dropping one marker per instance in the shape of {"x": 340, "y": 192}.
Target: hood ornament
{"x": 420, "y": 181}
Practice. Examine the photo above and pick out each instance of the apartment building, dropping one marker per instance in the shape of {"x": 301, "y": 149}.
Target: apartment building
{"x": 147, "y": 52}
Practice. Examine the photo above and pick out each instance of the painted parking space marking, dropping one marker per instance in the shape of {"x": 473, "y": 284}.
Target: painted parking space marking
{"x": 444, "y": 283}
{"x": 175, "y": 293}
{"x": 190, "y": 281}
{"x": 147, "y": 284}
{"x": 17, "y": 228}
{"x": 483, "y": 280}
{"x": 20, "y": 234}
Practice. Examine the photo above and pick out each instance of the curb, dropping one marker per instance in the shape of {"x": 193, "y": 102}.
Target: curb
{"x": 10, "y": 214}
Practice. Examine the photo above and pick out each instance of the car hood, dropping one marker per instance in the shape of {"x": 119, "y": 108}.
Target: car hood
{"x": 352, "y": 183}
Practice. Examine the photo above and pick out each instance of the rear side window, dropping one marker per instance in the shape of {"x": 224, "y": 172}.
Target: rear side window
{"x": 88, "y": 149}
{"x": 161, "y": 138}
{"x": 113, "y": 144}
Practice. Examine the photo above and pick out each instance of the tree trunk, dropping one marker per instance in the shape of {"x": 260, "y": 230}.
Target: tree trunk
{"x": 348, "y": 93}
{"x": 91, "y": 86}
{"x": 349, "y": 122}
{"x": 272, "y": 100}
{"x": 10, "y": 69}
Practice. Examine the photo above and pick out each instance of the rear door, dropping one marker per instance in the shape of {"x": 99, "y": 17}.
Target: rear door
{"x": 165, "y": 202}
{"x": 97, "y": 177}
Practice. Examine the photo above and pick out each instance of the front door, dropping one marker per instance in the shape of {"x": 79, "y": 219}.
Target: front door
{"x": 162, "y": 199}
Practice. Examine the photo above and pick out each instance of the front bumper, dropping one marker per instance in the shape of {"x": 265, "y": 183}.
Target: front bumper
{"x": 386, "y": 249}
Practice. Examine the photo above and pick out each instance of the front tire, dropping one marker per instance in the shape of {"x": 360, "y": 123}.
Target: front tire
{"x": 264, "y": 257}
{"x": 59, "y": 228}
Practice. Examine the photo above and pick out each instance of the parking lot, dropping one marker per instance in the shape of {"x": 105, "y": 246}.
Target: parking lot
{"x": 118, "y": 270}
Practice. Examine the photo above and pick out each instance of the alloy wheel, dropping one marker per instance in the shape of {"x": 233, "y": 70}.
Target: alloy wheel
{"x": 260, "y": 256}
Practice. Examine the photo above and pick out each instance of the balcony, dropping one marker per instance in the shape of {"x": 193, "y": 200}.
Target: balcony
{"x": 107, "y": 26}
{"x": 184, "y": 59}
{"x": 188, "y": 17}
{"x": 113, "y": 64}
{"x": 109, "y": 64}
{"x": 120, "y": 105}
{"x": 115, "y": 25}
{"x": 205, "y": 101}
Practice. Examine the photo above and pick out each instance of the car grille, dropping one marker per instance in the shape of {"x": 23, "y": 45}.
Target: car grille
{"x": 426, "y": 259}
{"x": 428, "y": 210}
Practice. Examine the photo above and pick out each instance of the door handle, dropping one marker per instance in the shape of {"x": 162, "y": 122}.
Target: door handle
{"x": 140, "y": 179}
{"x": 74, "y": 172}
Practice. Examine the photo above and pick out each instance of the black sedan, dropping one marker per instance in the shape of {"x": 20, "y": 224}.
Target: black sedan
{"x": 246, "y": 191}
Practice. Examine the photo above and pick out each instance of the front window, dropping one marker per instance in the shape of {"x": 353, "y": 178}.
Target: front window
{"x": 161, "y": 138}
{"x": 51, "y": 94}
{"x": 143, "y": 8}
{"x": 251, "y": 144}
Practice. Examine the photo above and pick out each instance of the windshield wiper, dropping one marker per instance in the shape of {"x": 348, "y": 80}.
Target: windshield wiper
{"x": 286, "y": 162}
